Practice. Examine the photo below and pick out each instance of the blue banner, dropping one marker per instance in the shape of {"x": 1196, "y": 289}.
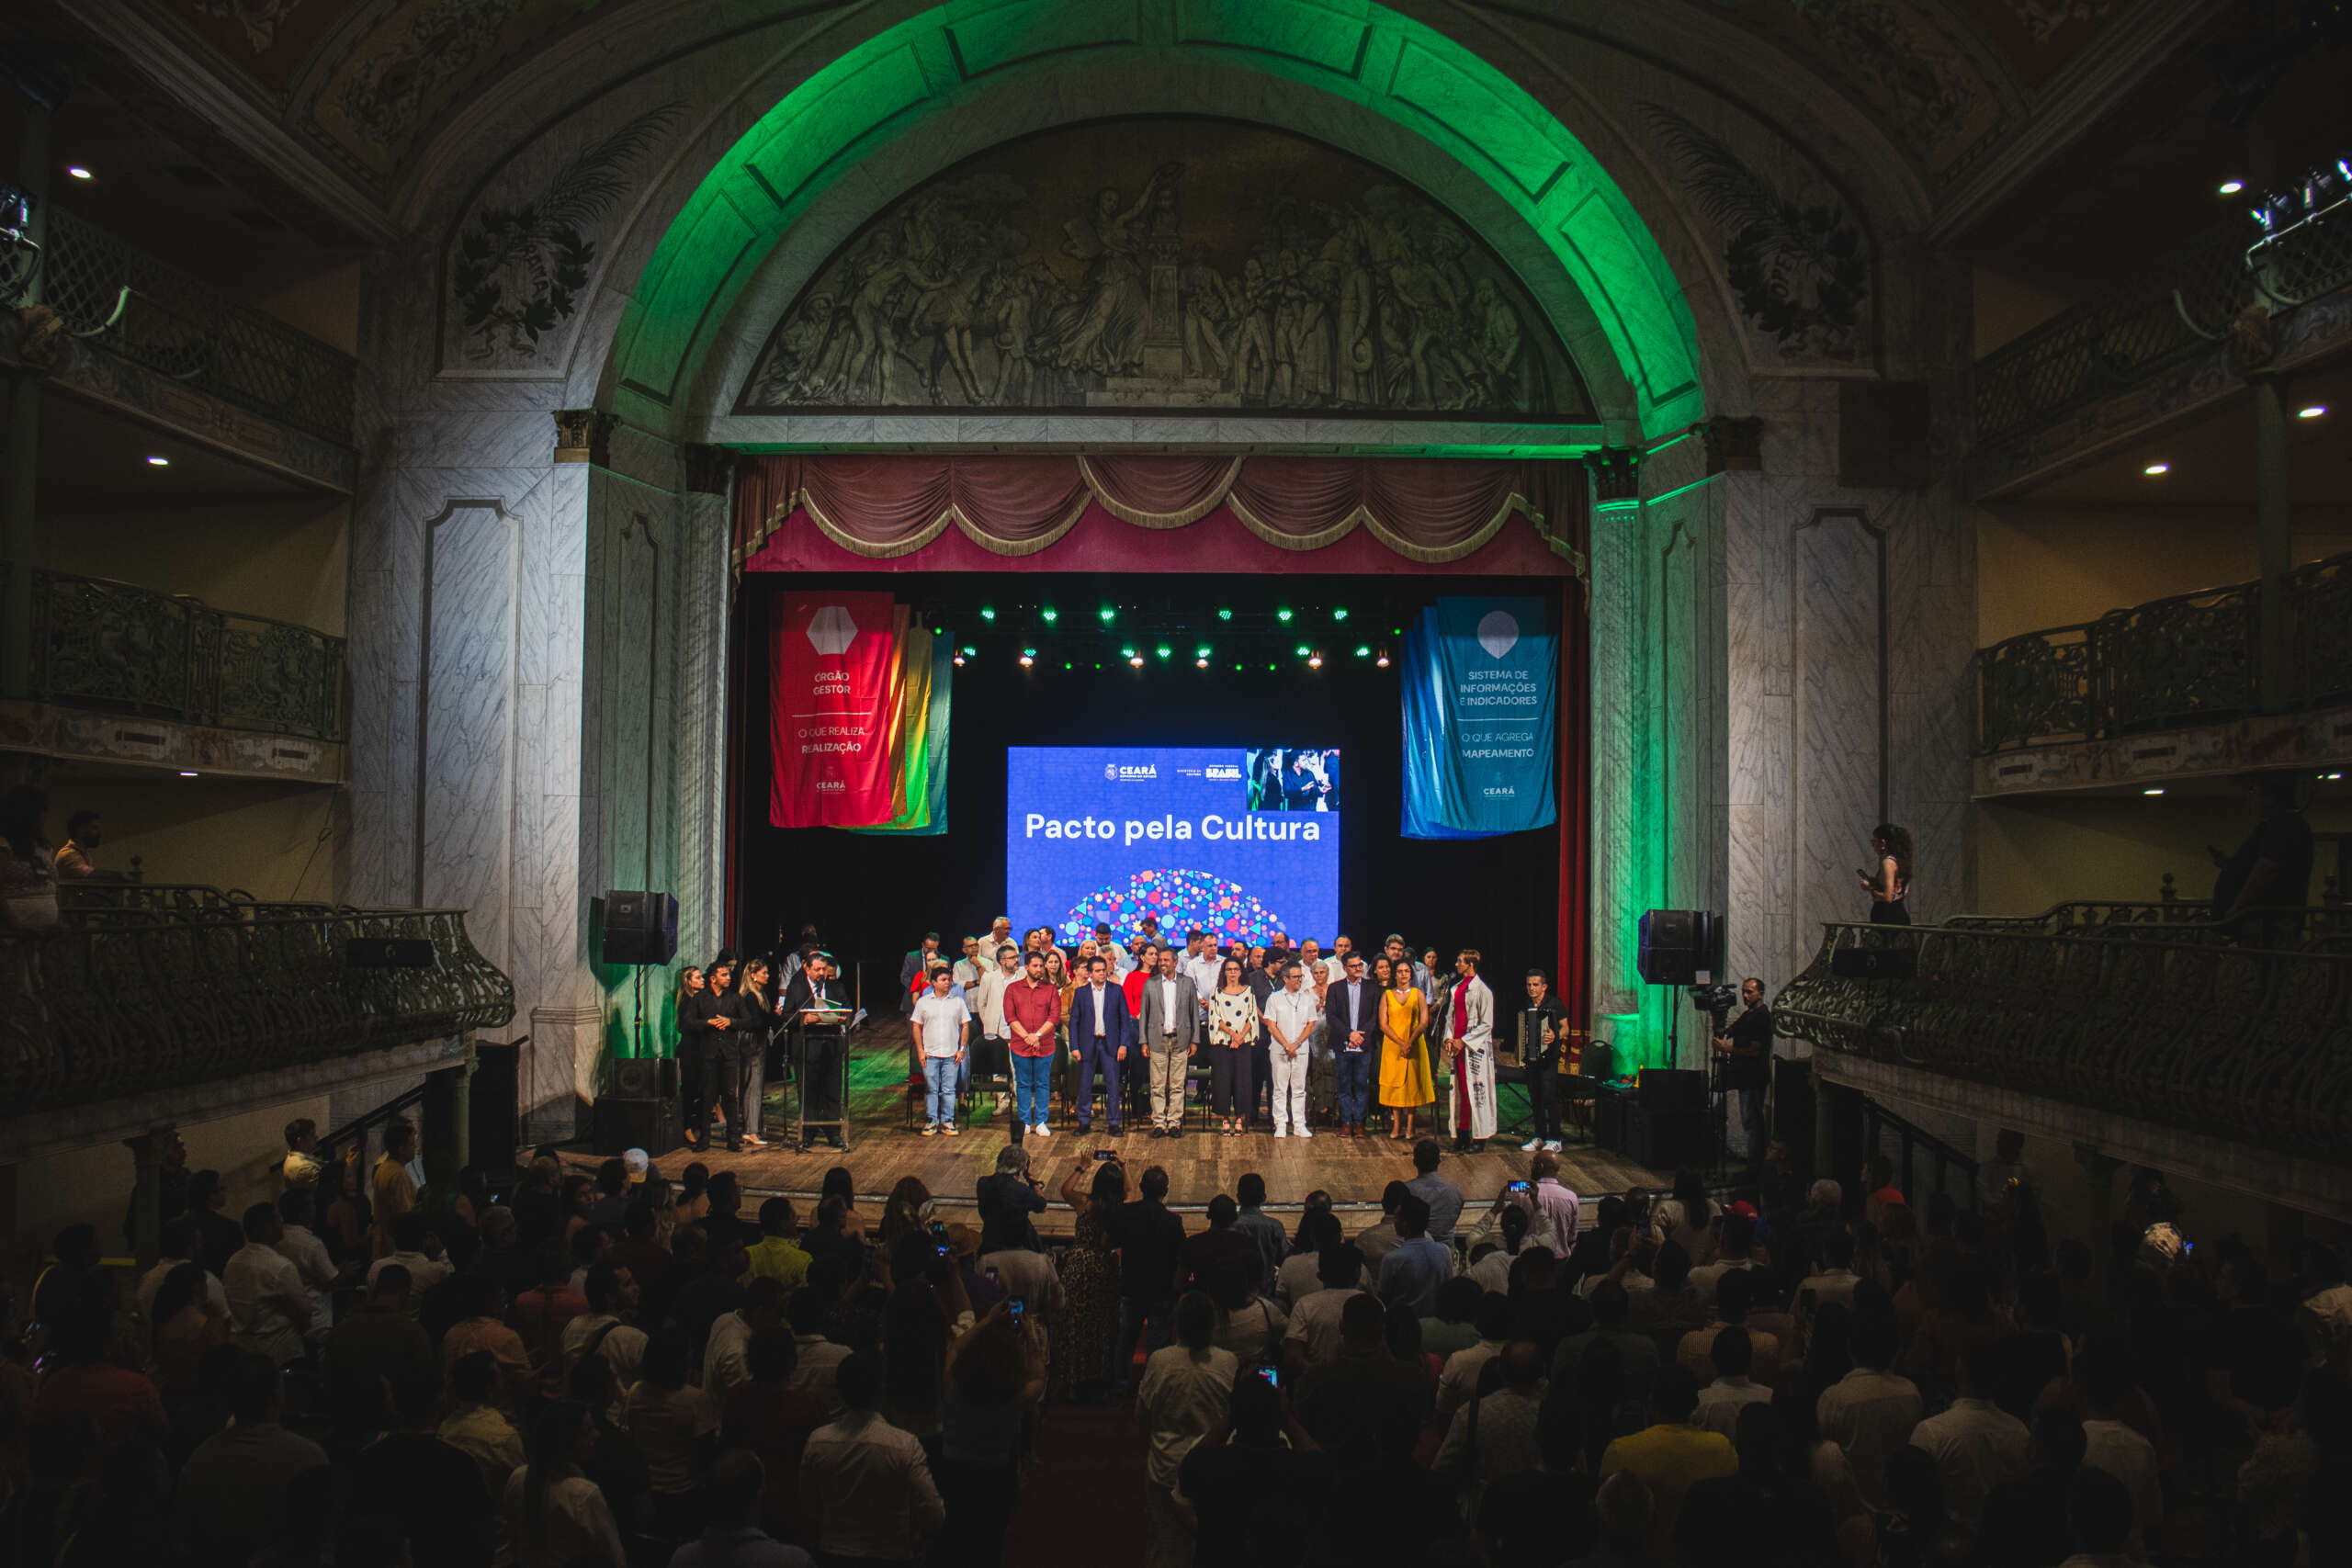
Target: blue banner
{"x": 1481, "y": 719}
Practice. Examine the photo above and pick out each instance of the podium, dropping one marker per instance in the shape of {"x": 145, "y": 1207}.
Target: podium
{"x": 819, "y": 1026}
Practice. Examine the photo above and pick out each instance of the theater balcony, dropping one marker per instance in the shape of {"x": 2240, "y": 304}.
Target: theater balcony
{"x": 2172, "y": 689}
{"x": 135, "y": 677}
{"x": 2111, "y": 1034}
{"x": 154, "y": 1007}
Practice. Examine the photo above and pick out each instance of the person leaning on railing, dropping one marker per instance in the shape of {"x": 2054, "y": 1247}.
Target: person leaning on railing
{"x": 27, "y": 869}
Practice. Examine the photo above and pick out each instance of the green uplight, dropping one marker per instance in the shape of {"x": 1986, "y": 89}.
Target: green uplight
{"x": 1126, "y": 653}
{"x": 970, "y": 652}
{"x": 987, "y": 612}
{"x": 1224, "y": 615}
{"x": 1303, "y": 650}
{"x": 1163, "y": 650}
{"x": 1107, "y": 613}
{"x": 1339, "y": 612}
{"x": 1050, "y": 614}
{"x": 1283, "y": 615}
{"x": 1203, "y": 652}
{"x": 1363, "y": 650}
{"x": 1028, "y": 653}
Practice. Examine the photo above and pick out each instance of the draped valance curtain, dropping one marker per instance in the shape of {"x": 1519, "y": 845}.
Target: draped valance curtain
{"x": 1431, "y": 509}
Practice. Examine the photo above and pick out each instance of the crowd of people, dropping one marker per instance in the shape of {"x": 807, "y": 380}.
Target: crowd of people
{"x": 1287, "y": 1038}
{"x": 611, "y": 1368}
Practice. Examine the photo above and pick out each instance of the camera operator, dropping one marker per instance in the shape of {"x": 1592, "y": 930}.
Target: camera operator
{"x": 1746, "y": 1047}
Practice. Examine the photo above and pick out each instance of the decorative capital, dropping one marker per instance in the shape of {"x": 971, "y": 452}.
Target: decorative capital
{"x": 1615, "y": 473}
{"x": 2253, "y": 339}
{"x": 707, "y": 467}
{"x": 583, "y": 436}
{"x": 1733, "y": 445}
{"x": 43, "y": 342}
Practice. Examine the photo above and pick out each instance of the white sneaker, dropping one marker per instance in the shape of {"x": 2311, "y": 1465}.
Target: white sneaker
{"x": 1530, "y": 1146}
{"x": 1305, "y": 1133}
{"x": 1282, "y": 1132}
{"x": 1551, "y": 1146}
{"x": 1040, "y": 1131}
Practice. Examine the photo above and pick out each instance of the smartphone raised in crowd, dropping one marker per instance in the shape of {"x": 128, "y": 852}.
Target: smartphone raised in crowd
{"x": 1015, "y": 1309}
{"x": 1272, "y": 1375}
{"x": 1518, "y": 1187}
{"x": 1106, "y": 1154}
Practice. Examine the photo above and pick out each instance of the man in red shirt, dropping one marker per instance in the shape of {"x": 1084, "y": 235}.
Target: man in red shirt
{"x": 1033, "y": 1011}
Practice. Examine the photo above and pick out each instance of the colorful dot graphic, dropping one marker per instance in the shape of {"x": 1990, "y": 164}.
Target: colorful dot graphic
{"x": 1184, "y": 901}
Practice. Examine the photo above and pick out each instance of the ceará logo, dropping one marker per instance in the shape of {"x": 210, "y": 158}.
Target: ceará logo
{"x": 1229, "y": 771}
{"x": 1128, "y": 772}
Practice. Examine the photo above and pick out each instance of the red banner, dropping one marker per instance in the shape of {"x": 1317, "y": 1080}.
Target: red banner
{"x": 833, "y": 711}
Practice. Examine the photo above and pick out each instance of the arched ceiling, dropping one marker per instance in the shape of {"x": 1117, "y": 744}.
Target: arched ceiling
{"x": 353, "y": 90}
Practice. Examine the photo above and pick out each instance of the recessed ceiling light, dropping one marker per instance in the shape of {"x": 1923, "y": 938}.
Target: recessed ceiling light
{"x": 185, "y": 774}
{"x": 2155, "y": 469}
{"x": 156, "y": 462}
{"x": 2152, "y": 791}
{"x": 2311, "y": 411}
{"x": 78, "y": 172}
{"x": 2231, "y": 187}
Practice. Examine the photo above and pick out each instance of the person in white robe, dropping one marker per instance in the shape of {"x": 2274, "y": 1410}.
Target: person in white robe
{"x": 1470, "y": 1046}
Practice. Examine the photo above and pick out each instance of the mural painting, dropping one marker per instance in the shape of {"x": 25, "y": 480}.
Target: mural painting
{"x": 1172, "y": 264}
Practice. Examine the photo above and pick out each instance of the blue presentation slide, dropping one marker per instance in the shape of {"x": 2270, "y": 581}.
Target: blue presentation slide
{"x": 1239, "y": 842}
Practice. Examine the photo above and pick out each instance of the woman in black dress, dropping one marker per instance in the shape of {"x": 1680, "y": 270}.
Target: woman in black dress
{"x": 1892, "y": 882}
{"x": 755, "y": 1022}
{"x": 697, "y": 1009}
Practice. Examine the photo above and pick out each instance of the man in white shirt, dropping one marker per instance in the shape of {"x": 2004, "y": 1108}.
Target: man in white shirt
{"x": 1870, "y": 1412}
{"x": 1313, "y": 1338}
{"x": 1459, "y": 1380}
{"x": 1976, "y": 1444}
{"x": 940, "y": 1022}
{"x": 268, "y": 1308}
{"x": 1721, "y": 1400}
{"x": 726, "y": 1364}
{"x": 408, "y": 1251}
{"x": 1552, "y": 1208}
{"x": 1836, "y": 1281}
{"x": 817, "y": 1359}
{"x": 988, "y": 1005}
{"x": 967, "y": 971}
{"x": 182, "y": 1242}
{"x": 2111, "y": 1445}
{"x": 1291, "y": 1014}
{"x": 864, "y": 1485}
{"x": 1201, "y": 965}
{"x": 1739, "y": 1234}
{"x": 299, "y": 1245}
{"x": 301, "y": 1165}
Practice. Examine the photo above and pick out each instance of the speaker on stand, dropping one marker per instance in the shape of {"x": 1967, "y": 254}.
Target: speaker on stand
{"x": 1680, "y": 1124}
{"x": 639, "y": 1107}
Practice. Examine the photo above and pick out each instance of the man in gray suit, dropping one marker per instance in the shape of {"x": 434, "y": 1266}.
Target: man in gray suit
{"x": 1171, "y": 1010}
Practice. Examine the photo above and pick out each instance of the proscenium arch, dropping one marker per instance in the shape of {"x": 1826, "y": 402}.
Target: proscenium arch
{"x": 955, "y": 54}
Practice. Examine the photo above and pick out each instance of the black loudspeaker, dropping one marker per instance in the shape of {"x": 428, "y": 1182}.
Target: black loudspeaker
{"x": 493, "y": 1108}
{"x": 1671, "y": 1088}
{"x": 1876, "y": 963}
{"x": 388, "y": 952}
{"x": 1666, "y": 1140}
{"x": 641, "y": 928}
{"x": 643, "y": 1078}
{"x": 620, "y": 1125}
{"x": 1598, "y": 1060}
{"x": 1681, "y": 947}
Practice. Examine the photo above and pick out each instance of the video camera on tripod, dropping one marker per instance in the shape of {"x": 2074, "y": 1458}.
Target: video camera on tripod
{"x": 1716, "y": 1001}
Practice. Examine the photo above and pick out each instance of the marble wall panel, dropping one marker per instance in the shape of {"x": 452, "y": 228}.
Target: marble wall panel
{"x": 703, "y": 598}
{"x": 1837, "y": 557}
{"x": 1617, "y": 760}
{"x": 465, "y": 787}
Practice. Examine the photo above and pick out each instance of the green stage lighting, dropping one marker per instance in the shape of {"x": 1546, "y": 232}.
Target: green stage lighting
{"x": 1283, "y": 615}
{"x": 1303, "y": 650}
{"x": 1364, "y": 651}
{"x": 1107, "y": 613}
{"x": 1050, "y": 614}
{"x": 987, "y": 612}
{"x": 1163, "y": 650}
{"x": 1339, "y": 614}
{"x": 970, "y": 652}
{"x": 1224, "y": 615}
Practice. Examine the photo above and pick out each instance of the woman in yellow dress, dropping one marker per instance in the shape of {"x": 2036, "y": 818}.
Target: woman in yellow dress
{"x": 1405, "y": 1084}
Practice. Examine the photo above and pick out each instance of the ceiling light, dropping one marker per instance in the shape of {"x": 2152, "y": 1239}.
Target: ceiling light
{"x": 987, "y": 612}
{"x": 969, "y": 651}
{"x": 78, "y": 172}
{"x": 1163, "y": 650}
{"x": 2152, "y": 791}
{"x": 1027, "y": 658}
{"x": 1315, "y": 662}
{"x": 1282, "y": 615}
{"x": 959, "y": 661}
{"x": 1050, "y": 614}
{"x": 1224, "y": 615}
{"x": 1383, "y": 659}
{"x": 156, "y": 462}
{"x": 2229, "y": 187}
{"x": 1202, "y": 652}
{"x": 1126, "y": 653}
{"x": 1200, "y": 663}
{"x": 1339, "y": 614}
{"x": 1303, "y": 650}
{"x": 186, "y": 775}
{"x": 1106, "y": 612}
{"x": 1136, "y": 660}
{"x": 2311, "y": 411}
{"x": 2156, "y": 470}
{"x": 2331, "y": 776}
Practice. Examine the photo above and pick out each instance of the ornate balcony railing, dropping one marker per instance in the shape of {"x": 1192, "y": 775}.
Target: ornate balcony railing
{"x": 2187, "y": 659}
{"x": 131, "y": 994}
{"x": 2182, "y": 306}
{"x": 123, "y": 300}
{"x": 2236, "y": 1042}
{"x": 100, "y": 643}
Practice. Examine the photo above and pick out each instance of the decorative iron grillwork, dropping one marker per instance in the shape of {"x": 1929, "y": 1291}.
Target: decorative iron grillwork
{"x": 99, "y": 642}
{"x": 153, "y": 995}
{"x": 2187, "y": 659}
{"x": 2240, "y": 1042}
{"x": 179, "y": 327}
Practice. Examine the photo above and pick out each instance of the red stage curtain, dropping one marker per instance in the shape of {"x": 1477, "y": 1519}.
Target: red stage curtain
{"x": 1424, "y": 509}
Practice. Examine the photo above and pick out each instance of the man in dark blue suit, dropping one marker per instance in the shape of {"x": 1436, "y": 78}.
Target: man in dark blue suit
{"x": 1352, "y": 1012}
{"x": 1101, "y": 1031}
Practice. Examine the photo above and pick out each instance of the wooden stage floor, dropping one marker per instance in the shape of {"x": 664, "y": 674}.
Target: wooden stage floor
{"x": 1200, "y": 1165}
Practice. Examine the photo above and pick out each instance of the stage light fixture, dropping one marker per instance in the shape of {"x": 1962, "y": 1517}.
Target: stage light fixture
{"x": 987, "y": 612}
{"x": 970, "y": 652}
{"x": 1363, "y": 650}
{"x": 1303, "y": 650}
{"x": 2311, "y": 411}
{"x": 1027, "y": 659}
{"x": 959, "y": 660}
{"x": 156, "y": 462}
{"x": 1049, "y": 614}
{"x": 1314, "y": 662}
{"x": 185, "y": 774}
{"x": 78, "y": 172}
{"x": 1136, "y": 660}
{"x": 1224, "y": 615}
{"x": 2152, "y": 791}
{"x": 1200, "y": 663}
{"x": 1283, "y": 615}
{"x": 1269, "y": 667}
{"x": 1066, "y": 665}
{"x": 1107, "y": 613}
{"x": 2229, "y": 187}
{"x": 2157, "y": 471}
{"x": 1164, "y": 650}
{"x": 1383, "y": 659}
{"x": 1126, "y": 653}
{"x": 1202, "y": 652}
{"x": 1339, "y": 612}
